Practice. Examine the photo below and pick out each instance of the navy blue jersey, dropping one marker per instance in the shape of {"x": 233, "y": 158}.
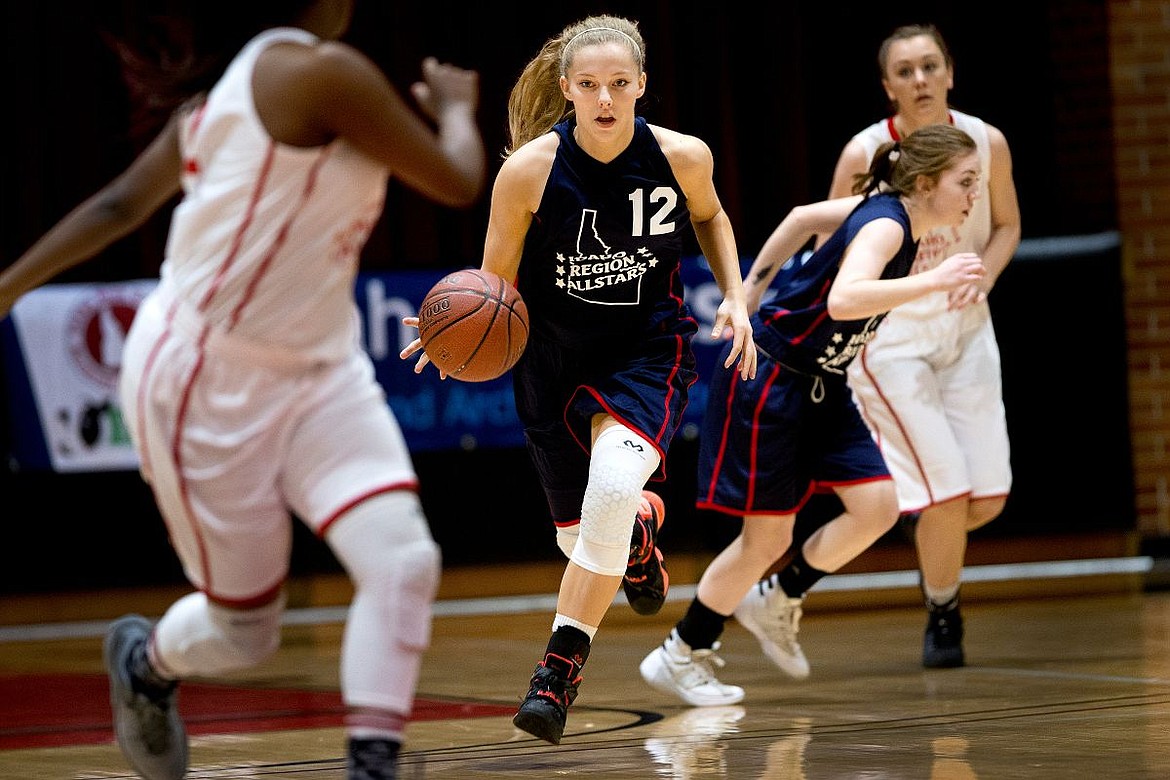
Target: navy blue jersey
{"x": 794, "y": 327}
{"x": 610, "y": 332}
{"x": 770, "y": 443}
{"x": 601, "y": 258}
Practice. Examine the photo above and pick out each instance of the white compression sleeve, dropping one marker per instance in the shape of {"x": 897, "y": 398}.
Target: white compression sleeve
{"x": 619, "y": 466}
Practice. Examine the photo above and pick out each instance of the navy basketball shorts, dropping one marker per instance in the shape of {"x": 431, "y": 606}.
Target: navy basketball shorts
{"x": 767, "y": 444}
{"x": 559, "y": 390}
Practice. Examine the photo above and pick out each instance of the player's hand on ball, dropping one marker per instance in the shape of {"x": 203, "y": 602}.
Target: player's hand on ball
{"x": 416, "y": 346}
{"x": 473, "y": 325}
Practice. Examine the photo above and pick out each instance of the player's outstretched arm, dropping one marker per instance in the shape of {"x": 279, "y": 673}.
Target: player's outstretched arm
{"x": 114, "y": 211}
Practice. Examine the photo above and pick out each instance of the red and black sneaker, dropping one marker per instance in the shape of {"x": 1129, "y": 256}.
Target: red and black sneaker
{"x": 546, "y": 707}
{"x": 646, "y": 580}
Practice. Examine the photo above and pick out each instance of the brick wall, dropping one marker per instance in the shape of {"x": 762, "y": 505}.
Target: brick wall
{"x": 1140, "y": 76}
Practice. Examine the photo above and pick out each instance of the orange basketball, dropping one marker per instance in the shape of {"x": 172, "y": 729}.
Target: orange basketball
{"x": 473, "y": 325}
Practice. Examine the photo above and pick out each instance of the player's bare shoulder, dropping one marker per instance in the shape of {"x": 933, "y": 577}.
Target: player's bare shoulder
{"x": 340, "y": 55}
{"x": 855, "y": 157}
{"x": 540, "y": 151}
{"x": 685, "y": 152}
{"x": 322, "y": 79}
{"x": 689, "y": 156}
{"x": 996, "y": 139}
{"x": 325, "y": 65}
{"x": 525, "y": 171}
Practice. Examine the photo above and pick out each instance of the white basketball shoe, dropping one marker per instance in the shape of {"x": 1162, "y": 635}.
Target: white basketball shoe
{"x": 773, "y": 617}
{"x": 673, "y": 667}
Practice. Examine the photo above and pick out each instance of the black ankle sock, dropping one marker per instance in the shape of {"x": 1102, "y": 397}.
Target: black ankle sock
{"x": 372, "y": 759}
{"x": 948, "y": 606}
{"x": 701, "y": 626}
{"x": 797, "y": 577}
{"x": 570, "y": 642}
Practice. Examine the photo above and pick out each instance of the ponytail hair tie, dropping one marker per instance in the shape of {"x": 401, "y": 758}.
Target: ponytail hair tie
{"x": 896, "y": 152}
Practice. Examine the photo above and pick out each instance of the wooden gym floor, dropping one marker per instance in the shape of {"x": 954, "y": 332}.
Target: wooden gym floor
{"x": 1068, "y": 676}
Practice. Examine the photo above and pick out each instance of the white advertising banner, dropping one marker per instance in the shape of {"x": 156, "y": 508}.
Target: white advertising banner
{"x": 67, "y": 340}
{"x": 71, "y": 336}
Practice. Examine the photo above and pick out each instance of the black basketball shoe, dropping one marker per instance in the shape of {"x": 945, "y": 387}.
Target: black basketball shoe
{"x": 546, "y": 707}
{"x": 942, "y": 645}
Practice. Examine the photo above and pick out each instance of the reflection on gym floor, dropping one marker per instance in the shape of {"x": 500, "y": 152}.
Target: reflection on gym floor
{"x": 1054, "y": 688}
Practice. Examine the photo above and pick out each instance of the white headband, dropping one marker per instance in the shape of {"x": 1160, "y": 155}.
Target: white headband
{"x": 625, "y": 35}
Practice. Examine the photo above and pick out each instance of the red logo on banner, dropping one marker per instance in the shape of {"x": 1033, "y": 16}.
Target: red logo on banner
{"x": 97, "y": 330}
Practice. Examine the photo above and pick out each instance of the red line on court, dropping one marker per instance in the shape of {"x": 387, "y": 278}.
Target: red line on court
{"x": 52, "y": 710}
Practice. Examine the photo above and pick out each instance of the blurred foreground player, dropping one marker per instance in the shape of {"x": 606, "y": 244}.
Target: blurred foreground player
{"x": 244, "y": 385}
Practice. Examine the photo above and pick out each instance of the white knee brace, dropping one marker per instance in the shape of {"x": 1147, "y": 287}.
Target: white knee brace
{"x": 197, "y": 637}
{"x": 386, "y": 547}
{"x": 619, "y": 466}
{"x": 567, "y": 539}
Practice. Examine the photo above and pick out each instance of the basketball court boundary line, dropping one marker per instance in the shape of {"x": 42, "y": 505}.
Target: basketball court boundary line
{"x": 506, "y": 605}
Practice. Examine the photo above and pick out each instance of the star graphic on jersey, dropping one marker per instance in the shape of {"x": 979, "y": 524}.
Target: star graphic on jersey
{"x": 561, "y": 283}
{"x": 837, "y": 338}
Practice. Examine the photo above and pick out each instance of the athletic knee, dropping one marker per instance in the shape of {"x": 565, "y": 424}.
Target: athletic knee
{"x": 249, "y": 635}
{"x": 567, "y": 538}
{"x": 407, "y": 574}
{"x": 607, "y": 518}
{"x": 877, "y": 514}
{"x": 386, "y": 548}
{"x": 982, "y": 511}
{"x": 410, "y": 592}
{"x": 382, "y": 535}
{"x": 600, "y": 559}
{"x": 764, "y": 540}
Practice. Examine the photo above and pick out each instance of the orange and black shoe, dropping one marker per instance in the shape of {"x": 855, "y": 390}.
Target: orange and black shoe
{"x": 646, "y": 580}
{"x": 546, "y": 707}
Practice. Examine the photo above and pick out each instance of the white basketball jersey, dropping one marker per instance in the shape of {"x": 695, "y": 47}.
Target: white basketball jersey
{"x": 266, "y": 242}
{"x": 941, "y": 243}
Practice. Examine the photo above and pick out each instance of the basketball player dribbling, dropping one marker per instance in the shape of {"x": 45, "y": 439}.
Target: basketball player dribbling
{"x": 589, "y": 214}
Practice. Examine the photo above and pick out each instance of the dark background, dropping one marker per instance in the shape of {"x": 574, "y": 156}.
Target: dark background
{"x": 775, "y": 92}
